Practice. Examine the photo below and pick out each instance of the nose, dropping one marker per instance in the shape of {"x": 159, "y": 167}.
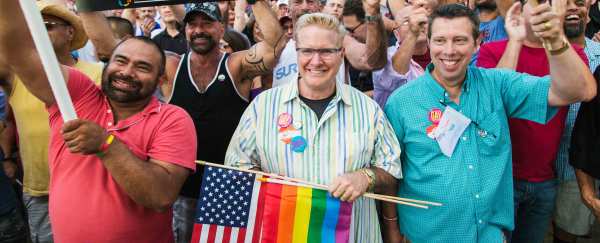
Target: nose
{"x": 316, "y": 59}
{"x": 304, "y": 5}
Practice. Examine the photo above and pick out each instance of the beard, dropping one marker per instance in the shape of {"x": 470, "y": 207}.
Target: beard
{"x": 124, "y": 96}
{"x": 486, "y": 6}
{"x": 574, "y": 31}
{"x": 202, "y": 49}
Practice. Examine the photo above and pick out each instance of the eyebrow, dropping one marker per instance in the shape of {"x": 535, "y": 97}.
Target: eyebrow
{"x": 140, "y": 62}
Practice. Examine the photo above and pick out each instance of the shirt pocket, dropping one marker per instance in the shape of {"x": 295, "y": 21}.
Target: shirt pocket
{"x": 492, "y": 132}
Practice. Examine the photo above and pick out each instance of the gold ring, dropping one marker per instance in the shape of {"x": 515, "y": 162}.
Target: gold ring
{"x": 547, "y": 25}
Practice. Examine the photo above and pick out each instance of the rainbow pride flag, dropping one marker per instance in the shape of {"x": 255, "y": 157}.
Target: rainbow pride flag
{"x": 295, "y": 214}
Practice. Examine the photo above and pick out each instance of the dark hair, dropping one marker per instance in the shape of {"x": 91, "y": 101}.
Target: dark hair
{"x": 452, "y": 11}
{"x": 354, "y": 7}
{"x": 120, "y": 26}
{"x": 146, "y": 40}
{"x": 236, "y": 40}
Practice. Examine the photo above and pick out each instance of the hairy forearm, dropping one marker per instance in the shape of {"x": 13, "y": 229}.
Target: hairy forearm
{"x": 571, "y": 78}
{"x": 99, "y": 33}
{"x": 269, "y": 25}
{"x": 146, "y": 183}
{"x": 402, "y": 57}
{"x": 376, "y": 51}
{"x": 510, "y": 58}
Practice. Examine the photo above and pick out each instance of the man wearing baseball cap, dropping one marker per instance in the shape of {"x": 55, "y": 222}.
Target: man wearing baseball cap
{"x": 66, "y": 34}
{"x": 214, "y": 88}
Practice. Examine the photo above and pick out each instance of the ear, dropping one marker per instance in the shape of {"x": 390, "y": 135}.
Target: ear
{"x": 70, "y": 33}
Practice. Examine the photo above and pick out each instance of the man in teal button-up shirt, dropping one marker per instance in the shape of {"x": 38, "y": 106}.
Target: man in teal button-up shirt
{"x": 474, "y": 184}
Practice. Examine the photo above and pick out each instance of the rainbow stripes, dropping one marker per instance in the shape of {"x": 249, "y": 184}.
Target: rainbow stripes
{"x": 301, "y": 215}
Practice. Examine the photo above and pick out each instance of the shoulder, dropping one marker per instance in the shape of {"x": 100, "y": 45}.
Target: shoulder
{"x": 92, "y": 70}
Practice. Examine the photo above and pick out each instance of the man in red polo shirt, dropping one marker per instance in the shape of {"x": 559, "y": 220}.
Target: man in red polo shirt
{"x": 115, "y": 171}
{"x": 534, "y": 145}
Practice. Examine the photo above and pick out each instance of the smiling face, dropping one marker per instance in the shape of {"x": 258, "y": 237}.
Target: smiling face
{"x": 318, "y": 70}
{"x": 203, "y": 33}
{"x": 132, "y": 72}
{"x": 451, "y": 45}
{"x": 575, "y": 18}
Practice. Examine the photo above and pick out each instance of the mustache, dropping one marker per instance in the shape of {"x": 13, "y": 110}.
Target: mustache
{"x": 200, "y": 35}
{"x": 125, "y": 78}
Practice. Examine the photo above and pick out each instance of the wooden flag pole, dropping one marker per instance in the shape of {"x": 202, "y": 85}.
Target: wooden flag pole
{"x": 399, "y": 200}
{"x": 373, "y": 196}
{"x": 33, "y": 17}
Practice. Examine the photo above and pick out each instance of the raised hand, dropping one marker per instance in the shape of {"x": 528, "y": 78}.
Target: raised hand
{"x": 148, "y": 25}
{"x": 547, "y": 24}
{"x": 418, "y": 20}
{"x": 514, "y": 23}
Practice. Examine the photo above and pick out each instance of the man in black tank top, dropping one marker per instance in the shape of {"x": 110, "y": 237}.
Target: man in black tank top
{"x": 214, "y": 88}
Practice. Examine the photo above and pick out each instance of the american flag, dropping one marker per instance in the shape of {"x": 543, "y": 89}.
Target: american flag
{"x": 227, "y": 208}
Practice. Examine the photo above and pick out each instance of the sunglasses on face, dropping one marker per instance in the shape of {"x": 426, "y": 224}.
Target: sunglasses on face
{"x": 50, "y": 25}
{"x": 352, "y": 29}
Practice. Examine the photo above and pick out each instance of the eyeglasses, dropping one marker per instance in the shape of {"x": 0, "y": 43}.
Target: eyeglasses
{"x": 351, "y": 30}
{"x": 325, "y": 53}
{"x": 51, "y": 25}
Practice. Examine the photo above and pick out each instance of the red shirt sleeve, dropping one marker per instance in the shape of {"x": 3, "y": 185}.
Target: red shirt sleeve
{"x": 175, "y": 141}
{"x": 81, "y": 89}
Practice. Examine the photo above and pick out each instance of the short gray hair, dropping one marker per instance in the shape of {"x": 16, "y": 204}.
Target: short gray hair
{"x": 323, "y": 20}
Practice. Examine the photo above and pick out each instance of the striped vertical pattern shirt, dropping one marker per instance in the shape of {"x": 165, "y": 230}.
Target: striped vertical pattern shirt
{"x": 353, "y": 133}
{"x": 564, "y": 170}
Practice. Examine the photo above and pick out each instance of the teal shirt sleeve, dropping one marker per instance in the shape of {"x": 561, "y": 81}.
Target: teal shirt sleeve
{"x": 525, "y": 96}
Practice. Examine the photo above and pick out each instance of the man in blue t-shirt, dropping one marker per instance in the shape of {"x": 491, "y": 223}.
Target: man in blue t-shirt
{"x": 491, "y": 28}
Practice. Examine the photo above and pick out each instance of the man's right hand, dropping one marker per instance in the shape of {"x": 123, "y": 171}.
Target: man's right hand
{"x": 148, "y": 26}
{"x": 417, "y": 21}
{"x": 593, "y": 203}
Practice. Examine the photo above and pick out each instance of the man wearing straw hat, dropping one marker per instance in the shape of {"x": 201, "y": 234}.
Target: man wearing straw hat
{"x": 66, "y": 34}
{"x": 115, "y": 171}
{"x": 321, "y": 130}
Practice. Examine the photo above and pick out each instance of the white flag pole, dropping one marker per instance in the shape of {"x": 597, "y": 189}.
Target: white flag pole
{"x": 49, "y": 59}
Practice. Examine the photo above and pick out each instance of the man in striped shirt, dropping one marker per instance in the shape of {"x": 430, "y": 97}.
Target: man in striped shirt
{"x": 323, "y": 131}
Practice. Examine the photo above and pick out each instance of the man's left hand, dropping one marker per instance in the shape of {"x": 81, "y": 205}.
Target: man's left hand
{"x": 348, "y": 187}
{"x": 83, "y": 136}
{"x": 546, "y": 23}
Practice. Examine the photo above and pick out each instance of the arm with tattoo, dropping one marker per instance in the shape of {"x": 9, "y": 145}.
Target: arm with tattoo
{"x": 262, "y": 57}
